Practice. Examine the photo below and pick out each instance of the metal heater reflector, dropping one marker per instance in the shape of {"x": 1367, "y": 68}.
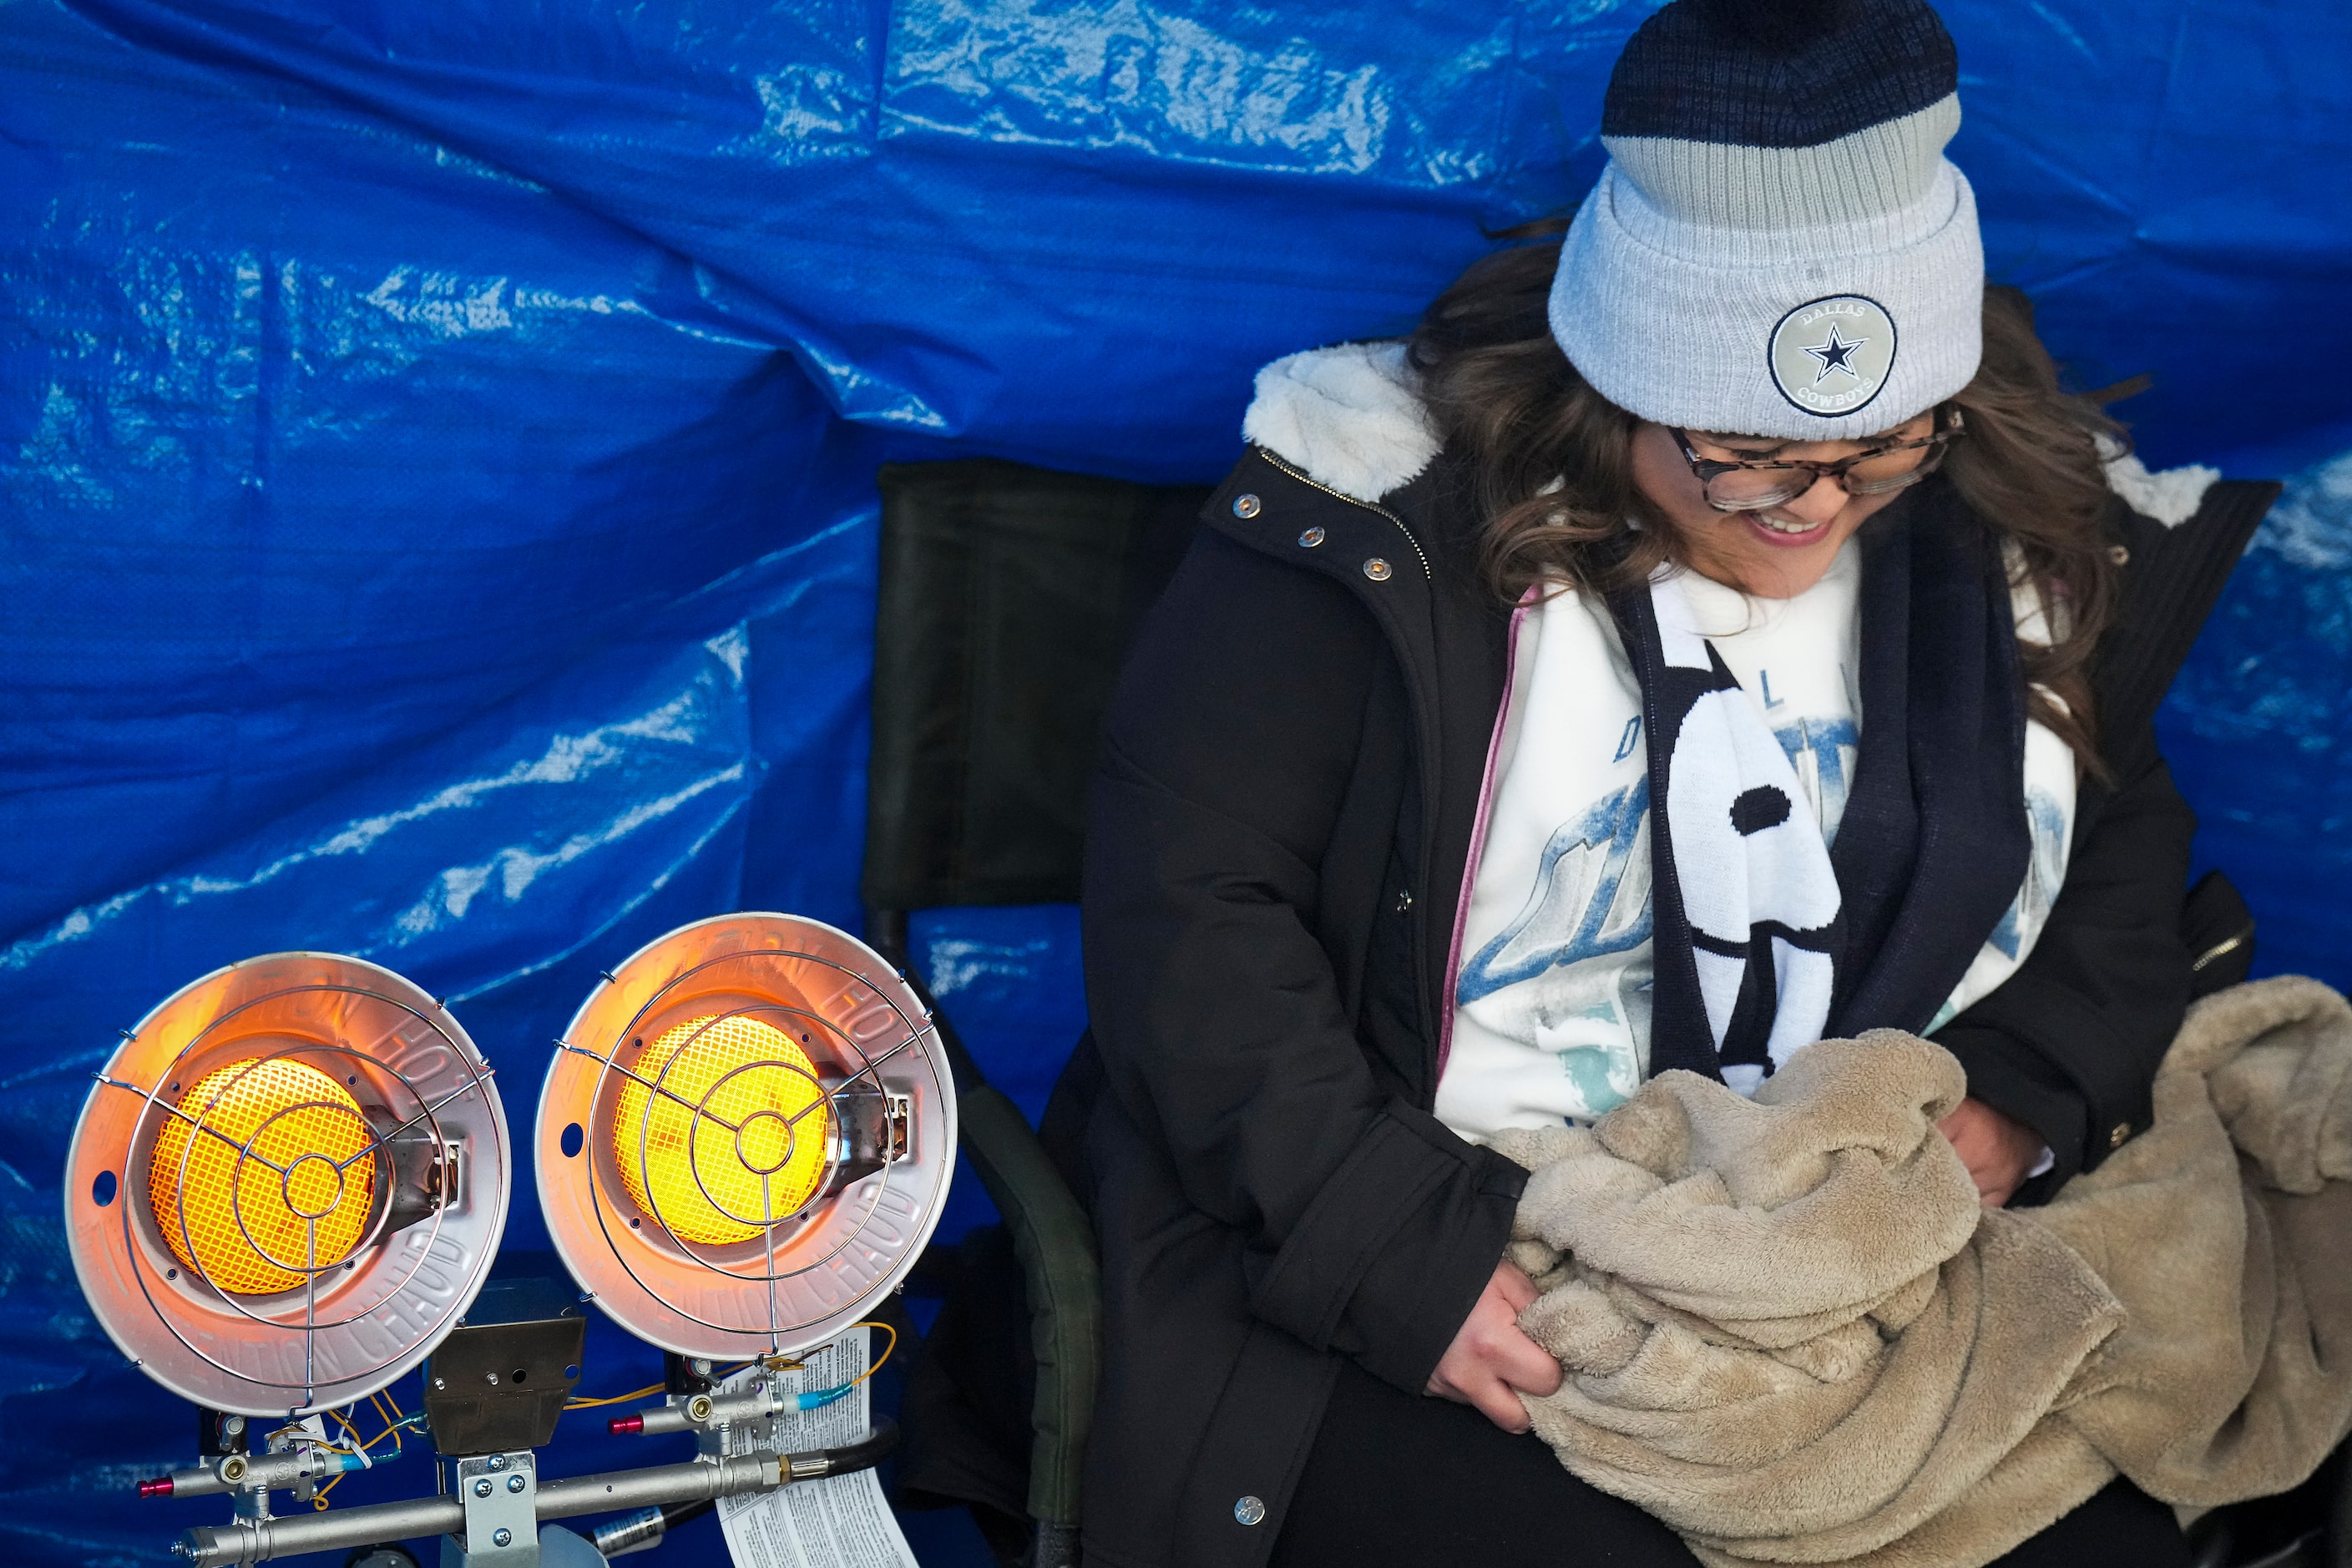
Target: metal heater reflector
{"x": 722, "y": 1133}
{"x": 746, "y": 1136}
{"x": 288, "y": 1183}
{"x": 285, "y": 1187}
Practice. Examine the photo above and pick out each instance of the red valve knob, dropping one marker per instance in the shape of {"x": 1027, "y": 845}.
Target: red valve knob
{"x": 619, "y": 1426}
{"x": 159, "y": 1487}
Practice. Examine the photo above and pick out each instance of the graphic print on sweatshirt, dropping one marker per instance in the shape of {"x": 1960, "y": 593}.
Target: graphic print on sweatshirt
{"x": 1553, "y": 997}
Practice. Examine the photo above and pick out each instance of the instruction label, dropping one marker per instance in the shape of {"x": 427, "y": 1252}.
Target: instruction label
{"x": 841, "y": 1521}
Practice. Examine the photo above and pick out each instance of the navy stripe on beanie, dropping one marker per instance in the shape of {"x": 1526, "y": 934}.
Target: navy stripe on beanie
{"x": 1779, "y": 73}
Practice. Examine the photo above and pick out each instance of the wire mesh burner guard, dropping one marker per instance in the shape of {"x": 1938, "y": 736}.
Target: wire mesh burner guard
{"x": 288, "y": 1183}
{"x": 746, "y": 1136}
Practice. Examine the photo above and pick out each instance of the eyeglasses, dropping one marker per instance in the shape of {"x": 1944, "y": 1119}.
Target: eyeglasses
{"x": 1753, "y": 486}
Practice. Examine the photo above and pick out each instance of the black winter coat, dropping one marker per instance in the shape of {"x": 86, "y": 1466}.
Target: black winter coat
{"x": 1274, "y": 853}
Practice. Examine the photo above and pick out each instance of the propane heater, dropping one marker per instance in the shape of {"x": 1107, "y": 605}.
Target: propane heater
{"x": 297, "y": 1171}
{"x": 287, "y": 1185}
{"x": 746, "y": 1137}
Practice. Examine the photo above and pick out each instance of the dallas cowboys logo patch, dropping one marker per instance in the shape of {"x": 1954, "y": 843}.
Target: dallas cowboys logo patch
{"x": 1830, "y": 356}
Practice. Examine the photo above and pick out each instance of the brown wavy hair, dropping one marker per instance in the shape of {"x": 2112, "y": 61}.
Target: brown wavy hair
{"x": 1551, "y": 462}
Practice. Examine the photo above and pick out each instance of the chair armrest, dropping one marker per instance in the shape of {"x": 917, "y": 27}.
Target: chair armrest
{"x": 1055, "y": 1243}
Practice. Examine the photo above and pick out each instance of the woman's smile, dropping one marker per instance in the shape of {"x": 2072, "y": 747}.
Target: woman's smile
{"x": 1785, "y": 532}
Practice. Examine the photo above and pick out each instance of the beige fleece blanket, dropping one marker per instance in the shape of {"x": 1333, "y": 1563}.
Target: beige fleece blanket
{"x": 1790, "y": 1333}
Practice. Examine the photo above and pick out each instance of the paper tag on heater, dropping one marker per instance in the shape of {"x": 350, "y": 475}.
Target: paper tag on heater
{"x": 841, "y": 1521}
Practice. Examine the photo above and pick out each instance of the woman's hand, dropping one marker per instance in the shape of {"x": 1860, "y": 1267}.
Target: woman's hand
{"x": 1997, "y": 1150}
{"x": 1490, "y": 1362}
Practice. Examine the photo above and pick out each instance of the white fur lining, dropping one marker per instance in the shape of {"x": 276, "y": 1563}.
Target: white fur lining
{"x": 2171, "y": 496}
{"x": 1347, "y": 416}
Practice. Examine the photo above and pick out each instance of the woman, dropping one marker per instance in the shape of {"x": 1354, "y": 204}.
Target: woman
{"x": 1680, "y": 651}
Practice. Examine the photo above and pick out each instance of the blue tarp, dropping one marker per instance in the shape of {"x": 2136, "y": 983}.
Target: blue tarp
{"x": 436, "y": 449}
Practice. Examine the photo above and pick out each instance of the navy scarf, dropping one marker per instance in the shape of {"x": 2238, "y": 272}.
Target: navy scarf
{"x": 1933, "y": 844}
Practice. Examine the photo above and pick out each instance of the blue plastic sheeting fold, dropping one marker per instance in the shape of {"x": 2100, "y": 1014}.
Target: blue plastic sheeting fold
{"x": 436, "y": 448}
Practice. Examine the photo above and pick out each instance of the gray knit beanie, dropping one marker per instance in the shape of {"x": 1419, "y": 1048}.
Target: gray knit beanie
{"x": 1778, "y": 246}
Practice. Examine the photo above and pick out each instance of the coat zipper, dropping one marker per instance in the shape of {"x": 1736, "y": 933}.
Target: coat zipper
{"x": 2218, "y": 950}
{"x": 1427, "y": 575}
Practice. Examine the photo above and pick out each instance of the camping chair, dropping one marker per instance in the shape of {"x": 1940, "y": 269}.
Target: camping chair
{"x": 1007, "y": 598}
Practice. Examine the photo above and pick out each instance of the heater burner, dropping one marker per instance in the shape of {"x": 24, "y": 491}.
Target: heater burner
{"x": 722, "y": 1130}
{"x": 265, "y": 1177}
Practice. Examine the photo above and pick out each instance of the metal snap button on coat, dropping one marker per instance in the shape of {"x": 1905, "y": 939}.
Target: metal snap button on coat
{"x": 2115, "y": 1139}
{"x": 1245, "y": 506}
{"x": 1249, "y": 1511}
{"x": 1310, "y": 539}
{"x": 1377, "y": 570}
{"x": 1404, "y": 900}
{"x": 2119, "y": 554}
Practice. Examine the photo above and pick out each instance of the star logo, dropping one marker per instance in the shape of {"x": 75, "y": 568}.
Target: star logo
{"x": 1849, "y": 333}
{"x": 1836, "y": 354}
